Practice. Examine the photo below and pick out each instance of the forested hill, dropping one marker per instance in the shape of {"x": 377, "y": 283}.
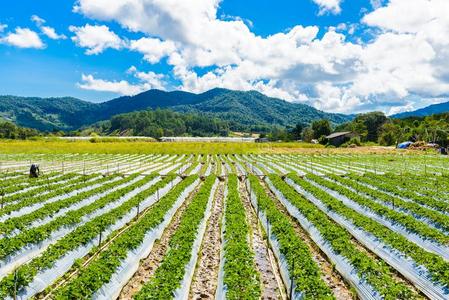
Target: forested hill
{"x": 242, "y": 110}
{"x": 426, "y": 111}
{"x": 161, "y": 122}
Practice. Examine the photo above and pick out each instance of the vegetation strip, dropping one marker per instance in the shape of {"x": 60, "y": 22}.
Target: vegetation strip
{"x": 375, "y": 272}
{"x": 43, "y": 187}
{"x": 81, "y": 236}
{"x": 301, "y": 267}
{"x": 51, "y": 191}
{"x": 437, "y": 266}
{"x": 397, "y": 218}
{"x": 241, "y": 279}
{"x": 376, "y": 181}
{"x": 100, "y": 270}
{"x": 440, "y": 220}
{"x": 20, "y": 223}
{"x": 168, "y": 276}
{"x": 9, "y": 246}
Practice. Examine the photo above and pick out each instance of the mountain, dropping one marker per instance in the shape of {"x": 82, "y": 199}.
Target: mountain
{"x": 243, "y": 110}
{"x": 47, "y": 113}
{"x": 426, "y": 111}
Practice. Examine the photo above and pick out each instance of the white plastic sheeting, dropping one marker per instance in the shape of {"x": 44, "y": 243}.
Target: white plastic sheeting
{"x": 46, "y": 277}
{"x": 29, "y": 209}
{"x": 304, "y": 169}
{"x": 130, "y": 264}
{"x": 196, "y": 170}
{"x": 184, "y": 168}
{"x": 396, "y": 208}
{"x": 427, "y": 244}
{"x": 220, "y": 293}
{"x": 169, "y": 169}
{"x": 417, "y": 274}
{"x": 182, "y": 293}
{"x": 282, "y": 262}
{"x": 30, "y": 251}
{"x": 402, "y": 198}
{"x": 209, "y": 169}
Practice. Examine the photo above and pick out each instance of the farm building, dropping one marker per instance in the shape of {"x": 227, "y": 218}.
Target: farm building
{"x": 207, "y": 139}
{"x": 338, "y": 138}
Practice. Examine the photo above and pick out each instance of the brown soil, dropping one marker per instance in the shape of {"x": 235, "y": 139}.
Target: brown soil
{"x": 149, "y": 265}
{"x": 329, "y": 275}
{"x": 272, "y": 286}
{"x": 204, "y": 281}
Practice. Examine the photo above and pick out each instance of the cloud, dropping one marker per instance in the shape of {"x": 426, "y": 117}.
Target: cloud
{"x": 23, "y": 38}
{"x": 146, "y": 81}
{"x": 96, "y": 38}
{"x": 376, "y": 3}
{"x": 121, "y": 87}
{"x": 3, "y": 27}
{"x": 47, "y": 30}
{"x": 51, "y": 33}
{"x": 37, "y": 20}
{"x": 329, "y": 6}
{"x": 152, "y": 49}
{"x": 405, "y": 62}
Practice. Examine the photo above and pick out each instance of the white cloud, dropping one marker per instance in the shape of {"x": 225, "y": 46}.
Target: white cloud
{"x": 38, "y": 20}
{"x": 406, "y": 60}
{"x": 376, "y": 3}
{"x": 96, "y": 38}
{"x": 329, "y": 6}
{"x": 23, "y": 38}
{"x": 121, "y": 87}
{"x": 146, "y": 81}
{"x": 51, "y": 33}
{"x": 153, "y": 49}
{"x": 47, "y": 30}
{"x": 3, "y": 27}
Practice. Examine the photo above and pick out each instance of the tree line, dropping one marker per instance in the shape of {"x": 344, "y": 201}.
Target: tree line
{"x": 373, "y": 127}
{"x": 162, "y": 122}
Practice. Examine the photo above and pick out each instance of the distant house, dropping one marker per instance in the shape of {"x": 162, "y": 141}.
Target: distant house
{"x": 338, "y": 138}
{"x": 207, "y": 139}
{"x": 262, "y": 140}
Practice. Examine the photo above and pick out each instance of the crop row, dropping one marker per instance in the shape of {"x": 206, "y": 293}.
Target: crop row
{"x": 48, "y": 191}
{"x": 377, "y": 181}
{"x": 437, "y": 266}
{"x": 300, "y": 264}
{"x": 8, "y": 246}
{"x": 49, "y": 209}
{"x": 375, "y": 272}
{"x": 100, "y": 270}
{"x": 240, "y": 276}
{"x": 409, "y": 222}
{"x": 82, "y": 235}
{"x": 439, "y": 219}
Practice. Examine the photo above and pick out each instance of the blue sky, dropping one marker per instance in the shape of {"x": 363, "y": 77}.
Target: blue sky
{"x": 335, "y": 55}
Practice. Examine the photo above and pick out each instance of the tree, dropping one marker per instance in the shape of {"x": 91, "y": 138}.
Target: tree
{"x": 320, "y": 128}
{"x": 373, "y": 121}
{"x": 307, "y": 134}
{"x": 296, "y": 131}
{"x": 389, "y": 134}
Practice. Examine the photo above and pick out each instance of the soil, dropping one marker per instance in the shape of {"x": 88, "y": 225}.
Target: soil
{"x": 204, "y": 283}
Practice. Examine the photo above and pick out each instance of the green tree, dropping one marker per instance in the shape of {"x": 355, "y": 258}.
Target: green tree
{"x": 320, "y": 128}
{"x": 307, "y": 134}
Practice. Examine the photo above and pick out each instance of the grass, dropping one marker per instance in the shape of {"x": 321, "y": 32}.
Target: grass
{"x": 54, "y": 146}
{"x": 142, "y": 147}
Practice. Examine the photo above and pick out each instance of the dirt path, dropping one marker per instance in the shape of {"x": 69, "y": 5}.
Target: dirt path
{"x": 149, "y": 265}
{"x": 204, "y": 281}
{"x": 329, "y": 275}
{"x": 272, "y": 286}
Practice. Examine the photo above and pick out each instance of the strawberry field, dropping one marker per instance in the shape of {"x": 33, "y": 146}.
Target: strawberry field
{"x": 244, "y": 226}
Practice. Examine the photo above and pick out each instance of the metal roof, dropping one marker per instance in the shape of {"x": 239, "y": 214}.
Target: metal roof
{"x": 337, "y": 134}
